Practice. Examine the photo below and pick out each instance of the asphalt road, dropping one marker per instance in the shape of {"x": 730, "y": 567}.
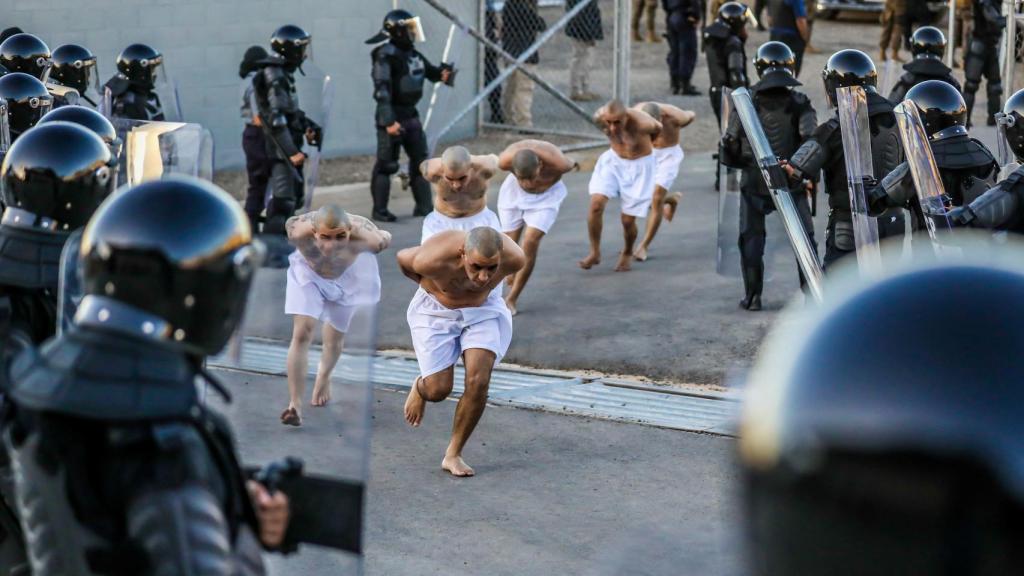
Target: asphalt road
{"x": 553, "y": 494}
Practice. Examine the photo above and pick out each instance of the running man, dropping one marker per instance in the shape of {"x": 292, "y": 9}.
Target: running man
{"x": 529, "y": 201}
{"x": 460, "y": 182}
{"x": 456, "y": 312}
{"x": 331, "y": 274}
{"x": 625, "y": 171}
{"x": 668, "y": 152}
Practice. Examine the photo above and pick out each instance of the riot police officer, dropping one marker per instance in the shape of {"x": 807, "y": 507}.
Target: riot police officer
{"x": 928, "y": 46}
{"x": 788, "y": 119}
{"x": 682, "y": 19}
{"x": 284, "y": 123}
{"x": 125, "y": 468}
{"x": 27, "y": 101}
{"x": 1002, "y": 206}
{"x": 399, "y": 71}
{"x": 74, "y": 66}
{"x": 52, "y": 179}
{"x": 983, "y": 57}
{"x": 966, "y": 167}
{"x": 133, "y": 88}
{"x": 881, "y": 432}
{"x": 824, "y": 151}
{"x": 724, "y": 44}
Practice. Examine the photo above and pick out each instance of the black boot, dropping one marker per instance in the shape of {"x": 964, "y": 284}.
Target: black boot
{"x": 383, "y": 216}
{"x": 423, "y": 197}
{"x": 676, "y": 86}
{"x": 380, "y": 190}
{"x": 753, "y": 280}
{"x": 690, "y": 90}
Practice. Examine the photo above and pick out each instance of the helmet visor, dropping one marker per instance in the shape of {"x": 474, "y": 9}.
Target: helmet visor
{"x": 415, "y": 27}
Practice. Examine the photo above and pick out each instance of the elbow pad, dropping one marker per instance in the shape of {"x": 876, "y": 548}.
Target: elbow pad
{"x": 993, "y": 208}
{"x": 809, "y": 158}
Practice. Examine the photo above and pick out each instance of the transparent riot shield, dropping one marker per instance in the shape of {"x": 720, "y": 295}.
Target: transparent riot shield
{"x": 930, "y": 192}
{"x": 1004, "y": 154}
{"x": 315, "y": 406}
{"x": 856, "y": 134}
{"x": 5, "y": 129}
{"x": 728, "y": 259}
{"x": 776, "y": 180}
{"x": 889, "y": 75}
{"x": 166, "y": 89}
{"x": 69, "y": 287}
{"x": 316, "y": 97}
{"x": 153, "y": 150}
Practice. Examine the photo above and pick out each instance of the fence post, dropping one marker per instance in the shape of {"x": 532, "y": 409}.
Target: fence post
{"x": 620, "y": 82}
{"x": 1009, "y": 46}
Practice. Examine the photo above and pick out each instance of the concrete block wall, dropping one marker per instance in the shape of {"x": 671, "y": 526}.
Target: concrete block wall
{"x": 203, "y": 42}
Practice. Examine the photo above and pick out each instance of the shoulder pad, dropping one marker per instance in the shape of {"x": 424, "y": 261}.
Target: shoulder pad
{"x": 717, "y": 30}
{"x": 118, "y": 84}
{"x": 30, "y": 258}
{"x": 825, "y": 131}
{"x": 961, "y": 153}
{"x": 104, "y": 376}
{"x": 385, "y": 50}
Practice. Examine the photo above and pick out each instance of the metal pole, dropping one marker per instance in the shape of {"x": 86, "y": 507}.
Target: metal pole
{"x": 951, "y": 39}
{"x": 622, "y": 47}
{"x": 481, "y": 62}
{"x": 1009, "y": 46}
{"x": 514, "y": 63}
{"x": 433, "y": 95}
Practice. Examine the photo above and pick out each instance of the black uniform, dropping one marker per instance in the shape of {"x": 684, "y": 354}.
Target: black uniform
{"x": 824, "y": 151}
{"x": 983, "y": 57}
{"x": 284, "y": 125}
{"x": 682, "y": 17}
{"x": 398, "y": 76}
{"x": 788, "y": 119}
{"x": 727, "y": 62}
{"x": 999, "y": 208}
{"x": 966, "y": 166}
{"x": 918, "y": 70}
{"x": 133, "y": 100}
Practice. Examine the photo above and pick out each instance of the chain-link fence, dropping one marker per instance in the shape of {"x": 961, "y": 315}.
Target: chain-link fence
{"x": 545, "y": 67}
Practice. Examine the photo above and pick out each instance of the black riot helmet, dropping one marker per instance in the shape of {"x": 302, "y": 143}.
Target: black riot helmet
{"x": 26, "y": 53}
{"x": 139, "y": 63}
{"x": 848, "y": 68}
{"x": 941, "y": 107}
{"x": 75, "y": 66}
{"x": 179, "y": 248}
{"x": 1012, "y": 122}
{"x": 291, "y": 43}
{"x": 26, "y": 100}
{"x": 774, "y": 57}
{"x": 882, "y": 433}
{"x": 928, "y": 42}
{"x": 90, "y": 119}
{"x": 734, "y": 15}
{"x": 59, "y": 172}
{"x": 401, "y": 28}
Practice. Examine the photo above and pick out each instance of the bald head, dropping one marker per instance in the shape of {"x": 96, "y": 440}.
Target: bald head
{"x": 616, "y": 107}
{"x": 456, "y": 159}
{"x": 525, "y": 164}
{"x": 330, "y": 217}
{"x": 652, "y": 109}
{"x": 483, "y": 240}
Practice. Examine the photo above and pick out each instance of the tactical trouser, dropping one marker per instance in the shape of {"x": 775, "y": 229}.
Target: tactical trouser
{"x": 715, "y": 93}
{"x": 638, "y": 10}
{"x": 982, "y": 59}
{"x": 682, "y": 48}
{"x": 754, "y": 208}
{"x": 257, "y": 167}
{"x": 286, "y": 194}
{"x": 389, "y": 148}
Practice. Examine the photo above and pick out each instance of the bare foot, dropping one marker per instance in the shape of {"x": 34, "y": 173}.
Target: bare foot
{"x": 625, "y": 262}
{"x": 321, "y": 392}
{"x": 511, "y": 306}
{"x": 640, "y": 254}
{"x": 414, "y": 405}
{"x": 592, "y": 259}
{"x": 290, "y": 417}
{"x": 668, "y": 210}
{"x": 456, "y": 466}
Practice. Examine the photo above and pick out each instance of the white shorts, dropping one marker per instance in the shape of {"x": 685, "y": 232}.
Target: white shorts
{"x": 440, "y": 335}
{"x": 630, "y": 180}
{"x": 336, "y": 300}
{"x": 436, "y": 222}
{"x": 669, "y": 161}
{"x": 517, "y": 206}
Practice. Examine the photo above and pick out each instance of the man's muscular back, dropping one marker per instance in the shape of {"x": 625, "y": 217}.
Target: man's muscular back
{"x": 536, "y": 164}
{"x": 330, "y": 258}
{"x": 460, "y": 181}
{"x": 672, "y": 119}
{"x": 631, "y": 133}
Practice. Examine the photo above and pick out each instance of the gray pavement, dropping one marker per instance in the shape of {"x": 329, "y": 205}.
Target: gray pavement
{"x": 553, "y": 495}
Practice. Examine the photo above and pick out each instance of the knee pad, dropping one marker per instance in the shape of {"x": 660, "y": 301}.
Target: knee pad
{"x": 387, "y": 167}
{"x": 842, "y": 236}
{"x": 971, "y": 86}
{"x": 994, "y": 89}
